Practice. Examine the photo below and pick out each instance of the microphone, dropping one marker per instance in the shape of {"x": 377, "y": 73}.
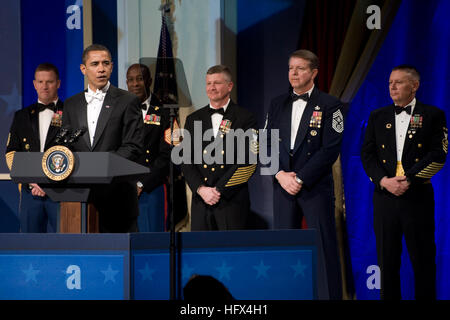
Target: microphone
{"x": 76, "y": 134}
{"x": 63, "y": 132}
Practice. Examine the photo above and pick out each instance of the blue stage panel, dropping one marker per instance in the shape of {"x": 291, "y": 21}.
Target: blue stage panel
{"x": 64, "y": 267}
{"x": 253, "y": 265}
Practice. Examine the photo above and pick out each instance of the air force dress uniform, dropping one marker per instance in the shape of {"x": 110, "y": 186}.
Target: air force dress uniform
{"x": 230, "y": 179}
{"x": 417, "y": 150}
{"x": 310, "y": 152}
{"x": 36, "y": 214}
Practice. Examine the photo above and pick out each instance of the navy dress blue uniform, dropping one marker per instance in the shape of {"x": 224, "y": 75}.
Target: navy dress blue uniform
{"x": 36, "y": 214}
{"x": 230, "y": 179}
{"x": 317, "y": 146}
{"x": 412, "y": 214}
{"x": 156, "y": 156}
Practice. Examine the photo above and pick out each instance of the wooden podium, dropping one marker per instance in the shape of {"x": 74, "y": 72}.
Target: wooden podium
{"x": 90, "y": 169}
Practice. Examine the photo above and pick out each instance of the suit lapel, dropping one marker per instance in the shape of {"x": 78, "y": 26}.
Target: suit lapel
{"x": 82, "y": 119}
{"x": 105, "y": 113}
{"x": 306, "y": 117}
{"x": 285, "y": 124}
{"x": 34, "y": 118}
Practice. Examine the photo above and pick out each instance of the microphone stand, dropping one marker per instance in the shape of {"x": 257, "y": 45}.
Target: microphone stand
{"x": 172, "y": 246}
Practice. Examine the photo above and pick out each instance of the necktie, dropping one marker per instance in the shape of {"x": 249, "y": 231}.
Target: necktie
{"x": 295, "y": 97}
{"x": 399, "y": 110}
{"x": 50, "y": 106}
{"x": 91, "y": 96}
{"x": 220, "y": 111}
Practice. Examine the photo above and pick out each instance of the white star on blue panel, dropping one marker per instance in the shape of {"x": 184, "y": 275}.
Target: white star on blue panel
{"x": 147, "y": 273}
{"x": 262, "y": 270}
{"x": 299, "y": 269}
{"x": 224, "y": 271}
{"x": 186, "y": 271}
{"x": 110, "y": 274}
{"x": 31, "y": 273}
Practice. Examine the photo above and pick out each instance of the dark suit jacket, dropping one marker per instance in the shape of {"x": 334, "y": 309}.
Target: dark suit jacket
{"x": 156, "y": 153}
{"x": 316, "y": 147}
{"x": 119, "y": 127}
{"x": 119, "y": 130}
{"x": 228, "y": 178}
{"x": 424, "y": 151}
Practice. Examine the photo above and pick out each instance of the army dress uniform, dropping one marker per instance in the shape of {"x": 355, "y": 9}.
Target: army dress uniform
{"x": 229, "y": 177}
{"x": 36, "y": 214}
{"x": 156, "y": 156}
{"x": 412, "y": 214}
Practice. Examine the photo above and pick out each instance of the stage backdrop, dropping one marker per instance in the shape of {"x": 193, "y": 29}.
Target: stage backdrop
{"x": 420, "y": 35}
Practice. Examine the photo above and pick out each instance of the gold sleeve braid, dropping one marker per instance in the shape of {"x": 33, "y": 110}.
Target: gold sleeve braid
{"x": 9, "y": 159}
{"x": 429, "y": 171}
{"x": 241, "y": 175}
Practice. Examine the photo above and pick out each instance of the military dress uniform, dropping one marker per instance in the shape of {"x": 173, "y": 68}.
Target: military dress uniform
{"x": 310, "y": 153}
{"x": 156, "y": 156}
{"x": 412, "y": 214}
{"x": 36, "y": 214}
{"x": 229, "y": 177}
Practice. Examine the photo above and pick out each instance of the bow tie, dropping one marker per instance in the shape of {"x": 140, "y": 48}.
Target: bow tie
{"x": 220, "y": 111}
{"x": 91, "y": 96}
{"x": 50, "y": 106}
{"x": 144, "y": 106}
{"x": 399, "y": 110}
{"x": 295, "y": 97}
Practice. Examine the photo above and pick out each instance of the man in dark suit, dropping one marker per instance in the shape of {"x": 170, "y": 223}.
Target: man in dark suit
{"x": 34, "y": 129}
{"x": 310, "y": 124}
{"x": 156, "y": 153}
{"x": 218, "y": 181}
{"x": 113, "y": 120}
{"x": 405, "y": 145}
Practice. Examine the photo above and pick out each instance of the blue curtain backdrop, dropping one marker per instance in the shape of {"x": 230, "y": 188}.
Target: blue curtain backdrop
{"x": 420, "y": 35}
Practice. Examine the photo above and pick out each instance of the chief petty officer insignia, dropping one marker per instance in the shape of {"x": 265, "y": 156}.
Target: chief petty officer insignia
{"x": 254, "y": 144}
{"x": 58, "y": 163}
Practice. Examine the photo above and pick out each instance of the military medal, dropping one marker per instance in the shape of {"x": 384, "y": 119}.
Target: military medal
{"x": 225, "y": 126}
{"x": 313, "y": 133}
{"x": 316, "y": 119}
{"x": 152, "y": 119}
{"x": 416, "y": 121}
{"x": 57, "y": 119}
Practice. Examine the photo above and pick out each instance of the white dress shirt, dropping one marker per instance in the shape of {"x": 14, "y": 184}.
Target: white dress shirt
{"x": 216, "y": 118}
{"x": 94, "y": 106}
{"x": 401, "y": 127}
{"x": 298, "y": 107}
{"x": 45, "y": 118}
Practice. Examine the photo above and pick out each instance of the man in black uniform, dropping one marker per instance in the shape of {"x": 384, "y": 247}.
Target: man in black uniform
{"x": 34, "y": 129}
{"x": 156, "y": 154}
{"x": 113, "y": 119}
{"x": 311, "y": 125}
{"x": 405, "y": 145}
{"x": 219, "y": 186}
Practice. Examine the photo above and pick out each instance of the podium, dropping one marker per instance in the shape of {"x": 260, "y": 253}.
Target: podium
{"x": 91, "y": 169}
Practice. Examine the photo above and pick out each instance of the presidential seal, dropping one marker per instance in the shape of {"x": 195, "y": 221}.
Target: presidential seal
{"x": 58, "y": 163}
